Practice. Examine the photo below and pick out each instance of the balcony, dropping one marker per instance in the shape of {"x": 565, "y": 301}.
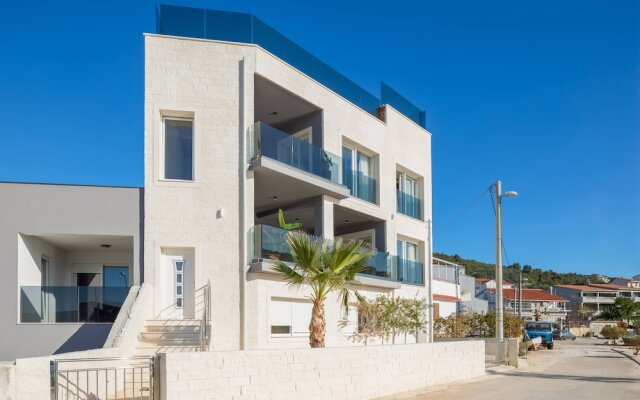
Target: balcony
{"x": 291, "y": 169}
{"x": 360, "y": 185}
{"x": 74, "y": 304}
{"x": 408, "y": 205}
{"x": 270, "y": 243}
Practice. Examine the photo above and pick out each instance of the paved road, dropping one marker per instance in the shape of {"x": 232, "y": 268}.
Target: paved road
{"x": 584, "y": 369}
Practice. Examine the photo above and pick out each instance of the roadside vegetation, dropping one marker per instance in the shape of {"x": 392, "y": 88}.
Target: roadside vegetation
{"x": 535, "y": 278}
{"x": 388, "y": 319}
{"x": 471, "y": 324}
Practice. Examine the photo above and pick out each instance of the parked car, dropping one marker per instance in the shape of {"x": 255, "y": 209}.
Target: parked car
{"x": 542, "y": 330}
{"x": 566, "y": 335}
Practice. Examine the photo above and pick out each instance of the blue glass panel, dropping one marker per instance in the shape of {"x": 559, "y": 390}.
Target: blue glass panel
{"x": 52, "y": 304}
{"x": 181, "y": 21}
{"x": 410, "y": 271}
{"x": 408, "y": 205}
{"x": 285, "y": 148}
{"x": 402, "y": 105}
{"x": 228, "y": 26}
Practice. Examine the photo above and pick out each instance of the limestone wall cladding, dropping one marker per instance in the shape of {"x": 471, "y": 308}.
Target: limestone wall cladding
{"x": 214, "y": 81}
{"x": 306, "y": 374}
{"x": 207, "y": 80}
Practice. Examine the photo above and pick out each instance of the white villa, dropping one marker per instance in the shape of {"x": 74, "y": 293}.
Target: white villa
{"x": 239, "y": 122}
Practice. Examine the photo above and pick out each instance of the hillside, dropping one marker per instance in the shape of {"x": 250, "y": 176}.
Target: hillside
{"x": 533, "y": 277}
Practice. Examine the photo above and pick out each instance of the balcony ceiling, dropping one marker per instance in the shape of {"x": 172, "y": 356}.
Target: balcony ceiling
{"x": 88, "y": 242}
{"x": 270, "y": 99}
{"x": 278, "y": 185}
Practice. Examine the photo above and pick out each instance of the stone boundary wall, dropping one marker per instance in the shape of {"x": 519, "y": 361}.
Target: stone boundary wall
{"x": 318, "y": 374}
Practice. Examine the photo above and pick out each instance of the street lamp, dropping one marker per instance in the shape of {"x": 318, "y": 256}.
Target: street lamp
{"x": 499, "y": 294}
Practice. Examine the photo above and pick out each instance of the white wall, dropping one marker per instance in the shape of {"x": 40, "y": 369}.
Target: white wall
{"x": 336, "y": 373}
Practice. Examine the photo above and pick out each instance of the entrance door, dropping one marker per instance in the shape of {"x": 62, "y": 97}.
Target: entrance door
{"x": 178, "y": 292}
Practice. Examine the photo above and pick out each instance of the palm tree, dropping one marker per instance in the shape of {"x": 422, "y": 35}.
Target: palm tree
{"x": 325, "y": 267}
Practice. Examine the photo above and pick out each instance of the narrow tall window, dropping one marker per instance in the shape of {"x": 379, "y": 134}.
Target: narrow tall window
{"x": 178, "y": 149}
{"x": 179, "y": 284}
{"x": 359, "y": 174}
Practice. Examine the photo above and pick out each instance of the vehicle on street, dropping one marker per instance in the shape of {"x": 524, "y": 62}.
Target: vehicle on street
{"x": 563, "y": 335}
{"x": 542, "y": 330}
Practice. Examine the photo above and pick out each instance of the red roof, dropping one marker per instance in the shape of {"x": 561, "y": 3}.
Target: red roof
{"x": 585, "y": 288}
{"x": 530, "y": 295}
{"x": 612, "y": 286}
{"x": 445, "y": 297}
{"x": 485, "y": 280}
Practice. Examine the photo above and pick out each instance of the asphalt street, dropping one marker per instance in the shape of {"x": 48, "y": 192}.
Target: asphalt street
{"x": 581, "y": 369}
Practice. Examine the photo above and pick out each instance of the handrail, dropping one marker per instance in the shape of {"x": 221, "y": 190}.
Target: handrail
{"x": 123, "y": 316}
{"x": 204, "y": 321}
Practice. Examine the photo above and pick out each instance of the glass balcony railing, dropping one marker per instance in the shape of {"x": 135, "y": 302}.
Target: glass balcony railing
{"x": 52, "y": 304}
{"x": 270, "y": 243}
{"x": 245, "y": 28}
{"x": 361, "y": 186}
{"x": 410, "y": 271}
{"x": 270, "y": 142}
{"x": 408, "y": 205}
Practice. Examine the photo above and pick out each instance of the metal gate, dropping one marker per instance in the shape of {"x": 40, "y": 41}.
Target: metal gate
{"x": 129, "y": 378}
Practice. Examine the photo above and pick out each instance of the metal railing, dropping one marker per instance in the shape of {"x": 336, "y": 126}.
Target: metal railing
{"x": 102, "y": 378}
{"x": 204, "y": 321}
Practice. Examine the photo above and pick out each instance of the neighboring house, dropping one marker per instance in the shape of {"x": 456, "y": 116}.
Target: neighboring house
{"x": 71, "y": 253}
{"x": 628, "y": 282}
{"x": 482, "y": 284}
{"x": 236, "y": 127}
{"x": 589, "y": 300}
{"x": 548, "y": 306}
{"x": 453, "y": 291}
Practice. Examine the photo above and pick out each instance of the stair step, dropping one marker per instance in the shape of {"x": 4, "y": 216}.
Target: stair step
{"x": 169, "y": 335}
{"x": 171, "y": 342}
{"x": 150, "y": 350}
{"x": 172, "y": 328}
{"x": 173, "y": 322}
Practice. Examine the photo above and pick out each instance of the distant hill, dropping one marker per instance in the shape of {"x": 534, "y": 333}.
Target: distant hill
{"x": 533, "y": 277}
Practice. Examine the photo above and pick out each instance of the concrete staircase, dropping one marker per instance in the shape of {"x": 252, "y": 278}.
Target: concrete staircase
{"x": 168, "y": 336}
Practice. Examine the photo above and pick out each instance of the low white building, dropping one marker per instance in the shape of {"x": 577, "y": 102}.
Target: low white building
{"x": 536, "y": 304}
{"x": 453, "y": 290}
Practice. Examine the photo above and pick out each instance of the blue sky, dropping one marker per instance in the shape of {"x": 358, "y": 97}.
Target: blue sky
{"x": 544, "y": 95}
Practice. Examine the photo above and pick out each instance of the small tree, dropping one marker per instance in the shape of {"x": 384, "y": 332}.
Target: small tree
{"x": 627, "y": 308}
{"x": 325, "y": 267}
{"x": 613, "y": 332}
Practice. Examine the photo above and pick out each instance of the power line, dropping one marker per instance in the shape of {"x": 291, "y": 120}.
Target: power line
{"x": 464, "y": 211}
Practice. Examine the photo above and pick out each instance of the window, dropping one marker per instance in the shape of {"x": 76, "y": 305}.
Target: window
{"x": 359, "y": 174}
{"x": 178, "y": 149}
{"x": 408, "y": 195}
{"x": 410, "y": 269}
{"x": 289, "y": 317}
{"x": 178, "y": 283}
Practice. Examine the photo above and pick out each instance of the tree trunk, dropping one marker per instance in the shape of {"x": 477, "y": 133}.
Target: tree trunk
{"x": 317, "y": 324}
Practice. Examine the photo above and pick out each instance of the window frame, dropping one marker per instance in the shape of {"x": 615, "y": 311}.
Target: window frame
{"x": 162, "y": 150}
{"x": 355, "y": 165}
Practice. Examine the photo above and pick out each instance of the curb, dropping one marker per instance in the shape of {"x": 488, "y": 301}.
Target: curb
{"x": 629, "y": 356}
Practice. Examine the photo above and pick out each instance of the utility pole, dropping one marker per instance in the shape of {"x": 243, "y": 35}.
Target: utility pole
{"x": 499, "y": 293}
{"x": 520, "y": 296}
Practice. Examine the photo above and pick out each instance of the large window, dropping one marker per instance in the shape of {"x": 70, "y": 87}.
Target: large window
{"x": 289, "y": 317}
{"x": 358, "y": 173}
{"x": 178, "y": 149}
{"x": 410, "y": 269}
{"x": 408, "y": 195}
